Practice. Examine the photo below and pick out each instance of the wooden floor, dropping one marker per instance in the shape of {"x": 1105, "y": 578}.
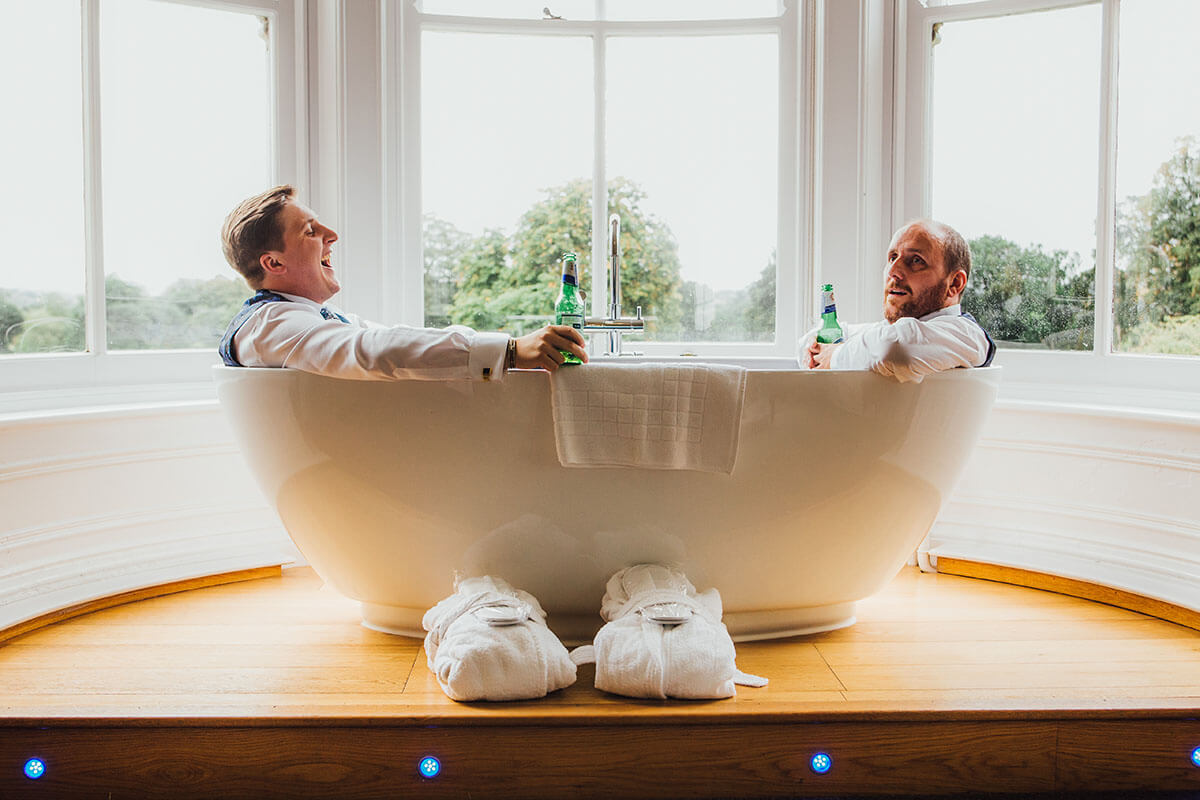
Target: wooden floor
{"x": 272, "y": 688}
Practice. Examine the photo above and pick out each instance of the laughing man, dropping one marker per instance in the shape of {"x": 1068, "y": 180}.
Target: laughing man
{"x": 286, "y": 255}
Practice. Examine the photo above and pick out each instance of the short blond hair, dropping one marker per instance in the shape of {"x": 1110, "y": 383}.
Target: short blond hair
{"x": 252, "y": 229}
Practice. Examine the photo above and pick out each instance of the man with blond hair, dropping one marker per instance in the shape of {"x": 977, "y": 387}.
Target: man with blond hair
{"x": 286, "y": 255}
{"x": 924, "y": 329}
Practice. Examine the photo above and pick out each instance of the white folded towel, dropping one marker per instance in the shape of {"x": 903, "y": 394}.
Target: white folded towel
{"x": 655, "y": 416}
{"x": 687, "y": 654}
{"x": 489, "y": 641}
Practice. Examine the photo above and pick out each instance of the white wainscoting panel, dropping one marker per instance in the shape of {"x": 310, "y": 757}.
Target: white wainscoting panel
{"x": 1100, "y": 494}
{"x": 101, "y": 501}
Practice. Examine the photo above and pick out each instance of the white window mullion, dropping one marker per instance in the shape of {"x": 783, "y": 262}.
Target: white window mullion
{"x": 1107, "y": 195}
{"x": 793, "y": 262}
{"x": 600, "y": 176}
{"x": 400, "y": 95}
{"x": 93, "y": 221}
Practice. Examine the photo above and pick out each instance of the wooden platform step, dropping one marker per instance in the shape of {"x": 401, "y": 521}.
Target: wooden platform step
{"x": 270, "y": 688}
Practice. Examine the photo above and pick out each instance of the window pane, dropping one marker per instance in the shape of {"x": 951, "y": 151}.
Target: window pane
{"x": 185, "y": 102}
{"x": 506, "y": 143}
{"x": 693, "y": 148}
{"x": 41, "y": 206}
{"x": 1157, "y": 285}
{"x": 1015, "y": 158}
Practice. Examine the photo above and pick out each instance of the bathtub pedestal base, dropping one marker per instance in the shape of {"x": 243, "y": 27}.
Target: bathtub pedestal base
{"x": 396, "y": 620}
{"x": 778, "y": 623}
{"x": 577, "y": 629}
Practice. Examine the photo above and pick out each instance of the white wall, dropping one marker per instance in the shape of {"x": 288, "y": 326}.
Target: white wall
{"x": 1101, "y": 494}
{"x": 101, "y": 501}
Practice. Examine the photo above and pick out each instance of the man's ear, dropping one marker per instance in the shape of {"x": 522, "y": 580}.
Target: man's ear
{"x": 270, "y": 262}
{"x": 957, "y": 285}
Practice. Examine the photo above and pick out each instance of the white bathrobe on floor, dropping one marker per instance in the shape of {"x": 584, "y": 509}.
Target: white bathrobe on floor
{"x": 474, "y": 659}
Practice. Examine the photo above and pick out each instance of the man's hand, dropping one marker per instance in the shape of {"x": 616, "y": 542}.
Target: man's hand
{"x": 540, "y": 349}
{"x": 819, "y": 355}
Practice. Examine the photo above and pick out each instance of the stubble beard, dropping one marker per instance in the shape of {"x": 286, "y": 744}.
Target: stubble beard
{"x": 913, "y": 306}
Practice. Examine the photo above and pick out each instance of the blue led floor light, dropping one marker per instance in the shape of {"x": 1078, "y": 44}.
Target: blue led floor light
{"x": 1196, "y": 757}
{"x": 821, "y": 763}
{"x": 35, "y": 768}
{"x": 429, "y": 767}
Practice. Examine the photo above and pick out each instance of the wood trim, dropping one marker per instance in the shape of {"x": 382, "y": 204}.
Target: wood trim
{"x": 684, "y": 761}
{"x": 681, "y": 761}
{"x": 1070, "y": 586}
{"x": 133, "y": 596}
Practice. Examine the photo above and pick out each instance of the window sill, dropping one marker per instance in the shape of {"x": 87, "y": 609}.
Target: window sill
{"x": 73, "y": 382}
{"x": 62, "y": 405}
{"x": 1117, "y": 385}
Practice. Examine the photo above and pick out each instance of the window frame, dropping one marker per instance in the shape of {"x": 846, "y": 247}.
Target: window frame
{"x": 1100, "y": 376}
{"x": 35, "y": 381}
{"x": 794, "y": 261}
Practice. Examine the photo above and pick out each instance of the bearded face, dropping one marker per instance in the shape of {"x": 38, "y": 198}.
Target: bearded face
{"x": 903, "y": 300}
{"x": 915, "y": 281}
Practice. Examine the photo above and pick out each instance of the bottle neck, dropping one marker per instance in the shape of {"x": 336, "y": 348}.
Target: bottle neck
{"x": 828, "y": 307}
{"x": 570, "y": 273}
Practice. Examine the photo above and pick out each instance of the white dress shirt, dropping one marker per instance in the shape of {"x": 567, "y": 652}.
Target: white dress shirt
{"x": 910, "y": 348}
{"x": 297, "y": 336}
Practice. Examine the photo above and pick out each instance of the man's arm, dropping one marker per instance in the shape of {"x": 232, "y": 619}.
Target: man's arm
{"x": 910, "y": 349}
{"x": 296, "y": 336}
{"x": 813, "y": 355}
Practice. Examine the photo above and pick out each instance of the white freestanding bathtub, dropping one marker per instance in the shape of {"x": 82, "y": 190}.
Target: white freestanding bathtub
{"x": 390, "y": 489}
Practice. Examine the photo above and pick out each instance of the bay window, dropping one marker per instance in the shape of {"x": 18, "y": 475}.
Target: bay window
{"x": 1063, "y": 140}
{"x": 133, "y": 127}
{"x": 538, "y": 122}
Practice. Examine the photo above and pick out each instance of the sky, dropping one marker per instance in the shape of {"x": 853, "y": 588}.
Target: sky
{"x": 181, "y": 146}
{"x": 693, "y": 121}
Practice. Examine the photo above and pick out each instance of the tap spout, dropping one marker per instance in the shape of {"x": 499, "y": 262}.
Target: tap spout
{"x": 614, "y": 270}
{"x": 614, "y": 324}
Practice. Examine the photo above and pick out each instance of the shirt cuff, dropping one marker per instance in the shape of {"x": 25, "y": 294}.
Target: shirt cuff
{"x": 488, "y": 351}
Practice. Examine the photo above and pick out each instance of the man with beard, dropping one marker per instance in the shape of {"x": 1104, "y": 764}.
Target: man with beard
{"x": 924, "y": 329}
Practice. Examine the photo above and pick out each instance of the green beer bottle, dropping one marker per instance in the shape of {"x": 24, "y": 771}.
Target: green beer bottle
{"x": 568, "y": 309}
{"x": 831, "y": 331}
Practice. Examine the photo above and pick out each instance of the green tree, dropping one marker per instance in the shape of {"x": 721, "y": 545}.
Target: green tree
{"x": 206, "y": 307}
{"x": 136, "y": 321}
{"x": 760, "y": 316}
{"x": 741, "y": 315}
{"x": 1158, "y": 245}
{"x": 509, "y": 283}
{"x": 444, "y": 247}
{"x": 485, "y": 297}
{"x": 190, "y": 313}
{"x": 10, "y": 324}
{"x": 53, "y": 324}
{"x": 1027, "y": 295}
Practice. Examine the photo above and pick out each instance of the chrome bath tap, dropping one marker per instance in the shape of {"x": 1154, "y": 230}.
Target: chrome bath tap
{"x": 614, "y": 324}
